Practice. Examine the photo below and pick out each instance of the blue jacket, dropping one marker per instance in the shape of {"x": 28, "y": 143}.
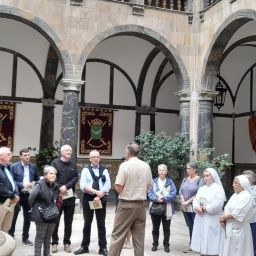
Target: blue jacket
{"x": 17, "y": 170}
{"x": 154, "y": 188}
{"x": 6, "y": 190}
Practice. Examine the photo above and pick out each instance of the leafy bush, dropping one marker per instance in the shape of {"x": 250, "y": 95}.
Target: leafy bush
{"x": 163, "y": 149}
{"x": 46, "y": 155}
{"x": 219, "y": 163}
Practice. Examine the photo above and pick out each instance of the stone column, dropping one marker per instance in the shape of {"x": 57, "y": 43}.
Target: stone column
{"x": 205, "y": 119}
{"x": 47, "y": 123}
{"x": 185, "y": 118}
{"x": 184, "y": 113}
{"x": 69, "y": 125}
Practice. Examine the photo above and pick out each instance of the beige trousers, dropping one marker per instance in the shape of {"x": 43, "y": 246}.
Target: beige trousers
{"x": 5, "y": 219}
{"x": 130, "y": 215}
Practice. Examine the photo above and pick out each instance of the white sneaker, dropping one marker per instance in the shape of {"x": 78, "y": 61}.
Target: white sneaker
{"x": 54, "y": 248}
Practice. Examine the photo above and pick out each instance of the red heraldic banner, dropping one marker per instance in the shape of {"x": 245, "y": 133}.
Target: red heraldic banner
{"x": 252, "y": 131}
{"x": 96, "y": 128}
{"x": 7, "y": 115}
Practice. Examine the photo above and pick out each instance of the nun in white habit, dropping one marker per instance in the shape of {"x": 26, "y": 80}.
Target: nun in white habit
{"x": 236, "y": 239}
{"x": 208, "y": 205}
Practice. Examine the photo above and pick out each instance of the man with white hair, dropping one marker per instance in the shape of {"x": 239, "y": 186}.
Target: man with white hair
{"x": 8, "y": 189}
{"x": 95, "y": 184}
{"x": 67, "y": 177}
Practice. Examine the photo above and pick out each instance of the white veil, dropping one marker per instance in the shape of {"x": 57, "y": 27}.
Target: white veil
{"x": 244, "y": 182}
{"x": 216, "y": 178}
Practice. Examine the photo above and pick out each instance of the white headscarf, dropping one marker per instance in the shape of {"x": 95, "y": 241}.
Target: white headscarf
{"x": 244, "y": 182}
{"x": 216, "y": 178}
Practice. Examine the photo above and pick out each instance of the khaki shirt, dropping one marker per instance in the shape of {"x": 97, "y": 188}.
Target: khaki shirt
{"x": 135, "y": 175}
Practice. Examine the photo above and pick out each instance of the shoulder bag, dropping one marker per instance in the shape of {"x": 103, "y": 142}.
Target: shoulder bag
{"x": 50, "y": 212}
{"x": 157, "y": 209}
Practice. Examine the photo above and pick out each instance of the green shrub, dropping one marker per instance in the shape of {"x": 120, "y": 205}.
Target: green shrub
{"x": 163, "y": 149}
{"x": 46, "y": 155}
{"x": 206, "y": 159}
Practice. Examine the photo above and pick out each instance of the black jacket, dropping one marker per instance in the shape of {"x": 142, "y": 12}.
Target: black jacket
{"x": 40, "y": 197}
{"x": 18, "y": 173}
{"x": 66, "y": 173}
{"x": 6, "y": 189}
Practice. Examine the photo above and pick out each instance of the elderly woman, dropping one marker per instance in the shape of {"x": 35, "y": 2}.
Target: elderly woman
{"x": 235, "y": 220}
{"x": 208, "y": 205}
{"x": 44, "y": 194}
{"x": 187, "y": 193}
{"x": 161, "y": 194}
{"x": 252, "y": 179}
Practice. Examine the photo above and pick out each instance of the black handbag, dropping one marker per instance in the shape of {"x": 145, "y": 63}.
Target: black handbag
{"x": 158, "y": 209}
{"x": 50, "y": 212}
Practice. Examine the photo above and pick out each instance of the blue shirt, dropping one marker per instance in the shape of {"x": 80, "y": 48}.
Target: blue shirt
{"x": 86, "y": 180}
{"x": 8, "y": 174}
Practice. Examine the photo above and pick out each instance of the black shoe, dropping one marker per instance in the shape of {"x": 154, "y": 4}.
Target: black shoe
{"x": 27, "y": 242}
{"x": 103, "y": 251}
{"x": 166, "y": 249}
{"x": 154, "y": 248}
{"x": 11, "y": 234}
{"x": 81, "y": 250}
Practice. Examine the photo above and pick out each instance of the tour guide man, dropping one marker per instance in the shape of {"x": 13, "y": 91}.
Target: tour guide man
{"x": 132, "y": 182}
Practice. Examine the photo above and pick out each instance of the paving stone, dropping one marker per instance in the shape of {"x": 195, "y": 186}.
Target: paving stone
{"x": 179, "y": 236}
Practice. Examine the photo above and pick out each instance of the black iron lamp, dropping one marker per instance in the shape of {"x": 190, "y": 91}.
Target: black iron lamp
{"x": 219, "y": 99}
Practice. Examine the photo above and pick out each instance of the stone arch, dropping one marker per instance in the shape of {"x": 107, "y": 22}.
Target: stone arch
{"x": 150, "y": 35}
{"x": 221, "y": 38}
{"x": 14, "y": 13}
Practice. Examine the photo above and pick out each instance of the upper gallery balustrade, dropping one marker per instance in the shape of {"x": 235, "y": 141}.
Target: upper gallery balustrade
{"x": 176, "y": 5}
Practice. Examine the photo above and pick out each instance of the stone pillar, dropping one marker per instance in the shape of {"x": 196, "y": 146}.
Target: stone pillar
{"x": 205, "y": 119}
{"x": 69, "y": 125}
{"x": 184, "y": 113}
{"x": 185, "y": 118}
{"x": 47, "y": 123}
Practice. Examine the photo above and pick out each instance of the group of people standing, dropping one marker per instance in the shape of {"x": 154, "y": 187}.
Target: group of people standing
{"x": 213, "y": 228}
{"x": 20, "y": 184}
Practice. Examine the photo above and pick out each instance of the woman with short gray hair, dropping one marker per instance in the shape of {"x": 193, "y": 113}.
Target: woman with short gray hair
{"x": 44, "y": 194}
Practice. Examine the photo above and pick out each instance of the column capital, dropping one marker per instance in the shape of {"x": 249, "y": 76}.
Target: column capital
{"x": 184, "y": 95}
{"x": 71, "y": 84}
{"x": 206, "y": 95}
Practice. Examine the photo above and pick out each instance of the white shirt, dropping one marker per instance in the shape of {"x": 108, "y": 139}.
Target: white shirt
{"x": 86, "y": 180}
{"x": 26, "y": 178}
{"x": 161, "y": 183}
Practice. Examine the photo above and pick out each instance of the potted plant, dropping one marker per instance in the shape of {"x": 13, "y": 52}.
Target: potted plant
{"x": 206, "y": 159}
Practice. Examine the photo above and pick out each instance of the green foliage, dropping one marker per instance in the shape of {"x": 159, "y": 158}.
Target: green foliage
{"x": 219, "y": 163}
{"x": 163, "y": 149}
{"x": 45, "y": 156}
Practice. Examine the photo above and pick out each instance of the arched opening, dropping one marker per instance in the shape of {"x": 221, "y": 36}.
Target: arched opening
{"x": 135, "y": 72}
{"x": 231, "y": 58}
{"x": 32, "y": 56}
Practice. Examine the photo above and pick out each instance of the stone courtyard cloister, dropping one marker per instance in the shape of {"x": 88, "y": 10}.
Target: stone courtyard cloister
{"x": 155, "y": 63}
